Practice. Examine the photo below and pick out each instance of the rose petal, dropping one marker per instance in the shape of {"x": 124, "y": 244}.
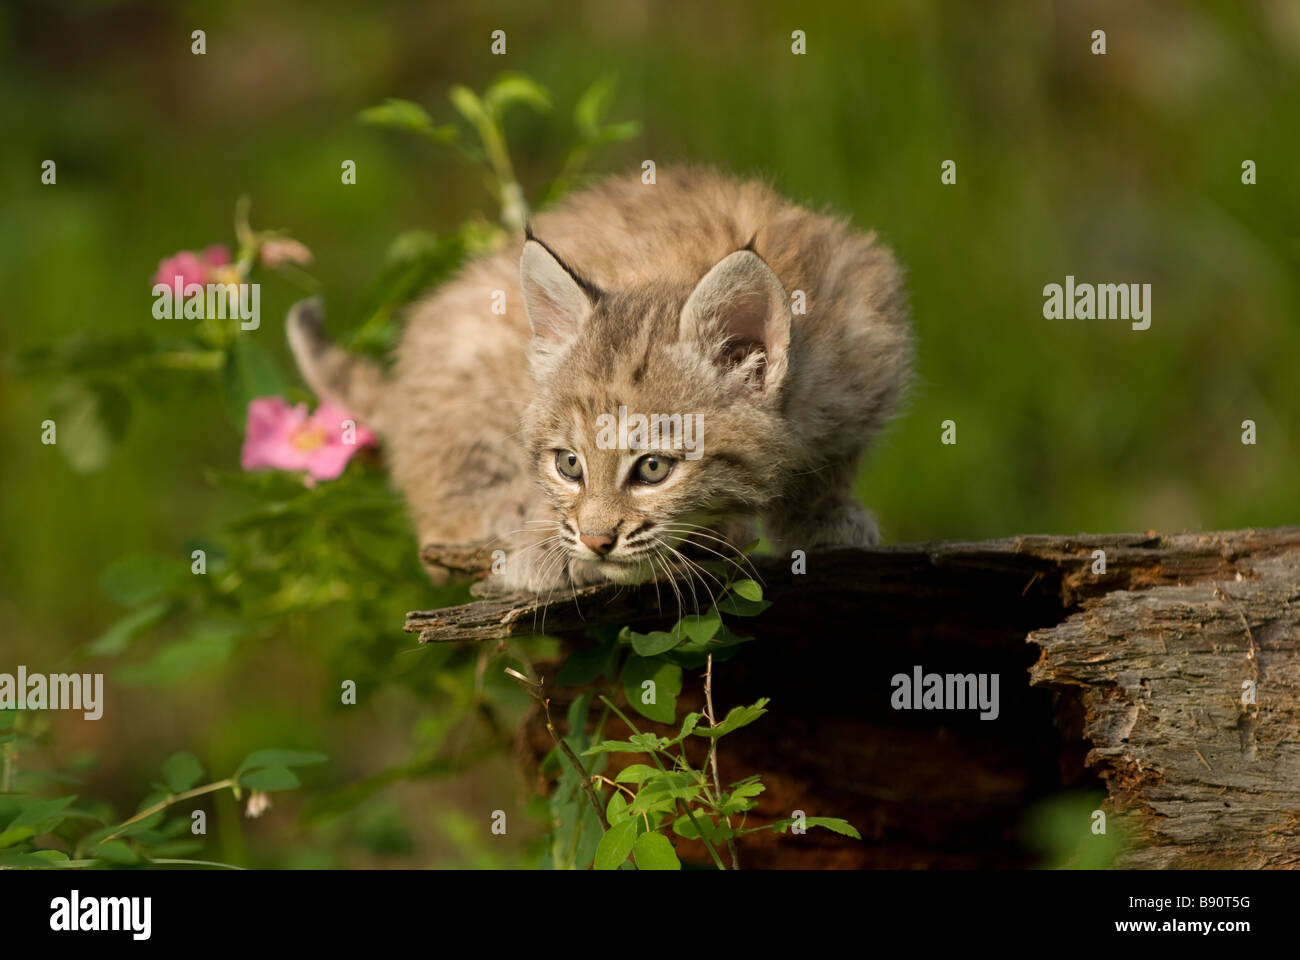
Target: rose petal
{"x": 184, "y": 265}
{"x": 217, "y": 255}
{"x": 268, "y": 435}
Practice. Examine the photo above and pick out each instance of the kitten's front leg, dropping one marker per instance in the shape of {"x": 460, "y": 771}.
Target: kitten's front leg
{"x": 834, "y": 519}
{"x": 724, "y": 540}
{"x": 535, "y": 566}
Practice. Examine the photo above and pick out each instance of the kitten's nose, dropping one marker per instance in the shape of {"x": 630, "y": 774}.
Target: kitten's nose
{"x": 602, "y": 543}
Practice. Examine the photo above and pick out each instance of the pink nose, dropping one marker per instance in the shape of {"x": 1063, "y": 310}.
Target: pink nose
{"x": 602, "y": 543}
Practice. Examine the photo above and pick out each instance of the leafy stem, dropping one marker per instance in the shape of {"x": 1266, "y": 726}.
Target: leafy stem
{"x": 168, "y": 801}
{"x": 713, "y": 759}
{"x": 533, "y": 687}
{"x": 654, "y": 755}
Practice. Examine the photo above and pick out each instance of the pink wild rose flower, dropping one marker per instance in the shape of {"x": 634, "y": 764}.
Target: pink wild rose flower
{"x": 281, "y": 437}
{"x": 192, "y": 267}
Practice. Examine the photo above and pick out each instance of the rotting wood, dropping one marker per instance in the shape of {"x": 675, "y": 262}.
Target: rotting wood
{"x": 1055, "y": 566}
{"x": 1203, "y": 776}
{"x": 1136, "y": 686}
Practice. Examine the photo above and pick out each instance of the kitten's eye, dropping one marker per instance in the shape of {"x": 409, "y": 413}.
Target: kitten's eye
{"x": 567, "y": 462}
{"x": 652, "y": 468}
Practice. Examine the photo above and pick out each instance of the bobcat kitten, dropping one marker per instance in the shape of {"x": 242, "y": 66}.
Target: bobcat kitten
{"x": 662, "y": 304}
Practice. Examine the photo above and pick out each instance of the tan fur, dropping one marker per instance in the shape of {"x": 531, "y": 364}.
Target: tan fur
{"x": 476, "y": 406}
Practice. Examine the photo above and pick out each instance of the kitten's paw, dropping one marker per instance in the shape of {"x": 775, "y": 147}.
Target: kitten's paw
{"x": 525, "y": 571}
{"x": 491, "y": 587}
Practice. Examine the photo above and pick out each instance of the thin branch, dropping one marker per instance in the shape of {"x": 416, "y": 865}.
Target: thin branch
{"x": 534, "y": 689}
{"x": 582, "y": 774}
{"x": 173, "y": 798}
{"x": 713, "y": 758}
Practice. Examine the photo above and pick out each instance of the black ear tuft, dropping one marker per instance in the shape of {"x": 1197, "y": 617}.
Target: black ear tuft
{"x": 752, "y": 246}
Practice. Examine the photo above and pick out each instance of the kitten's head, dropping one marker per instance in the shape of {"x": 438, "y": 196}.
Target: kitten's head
{"x": 658, "y": 410}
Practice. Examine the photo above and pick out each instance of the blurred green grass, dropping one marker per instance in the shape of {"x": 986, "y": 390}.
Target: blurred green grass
{"x": 1122, "y": 168}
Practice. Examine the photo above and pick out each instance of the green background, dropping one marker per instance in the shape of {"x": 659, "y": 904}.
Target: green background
{"x": 1117, "y": 168}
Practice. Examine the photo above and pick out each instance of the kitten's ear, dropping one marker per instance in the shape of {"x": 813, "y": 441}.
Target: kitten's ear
{"x": 556, "y": 299}
{"x": 740, "y": 314}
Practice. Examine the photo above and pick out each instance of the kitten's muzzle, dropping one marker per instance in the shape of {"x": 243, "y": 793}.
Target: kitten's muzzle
{"x": 600, "y": 543}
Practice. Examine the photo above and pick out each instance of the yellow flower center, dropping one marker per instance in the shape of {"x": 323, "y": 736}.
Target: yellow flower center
{"x": 227, "y": 274}
{"x": 308, "y": 438}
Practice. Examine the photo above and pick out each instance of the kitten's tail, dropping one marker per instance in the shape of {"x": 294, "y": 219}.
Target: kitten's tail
{"x": 353, "y": 382}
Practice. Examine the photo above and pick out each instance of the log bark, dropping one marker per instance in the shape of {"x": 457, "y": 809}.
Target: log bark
{"x": 1127, "y": 681}
{"x": 1192, "y": 703}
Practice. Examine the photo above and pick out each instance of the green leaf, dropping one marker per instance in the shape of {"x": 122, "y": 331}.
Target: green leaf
{"x": 582, "y": 667}
{"x": 739, "y": 606}
{"x": 175, "y": 848}
{"x": 748, "y": 589}
{"x": 140, "y": 826}
{"x": 722, "y": 647}
{"x": 396, "y": 114}
{"x": 591, "y": 106}
{"x": 678, "y": 784}
{"x": 576, "y": 720}
{"x": 653, "y": 806}
{"x": 115, "y": 851}
{"x": 91, "y": 419}
{"x": 636, "y": 773}
{"x": 138, "y": 578}
{"x": 736, "y": 718}
{"x": 617, "y": 132}
{"x": 660, "y": 793}
{"x": 182, "y": 771}
{"x": 723, "y": 639}
{"x": 270, "y": 778}
{"x": 589, "y": 114}
{"x": 467, "y": 104}
{"x": 654, "y": 851}
{"x": 689, "y": 723}
{"x": 516, "y": 88}
{"x": 613, "y": 746}
{"x": 701, "y": 627}
{"x": 649, "y": 742}
{"x": 210, "y": 644}
{"x": 616, "y": 809}
{"x": 684, "y": 827}
{"x": 34, "y": 858}
{"x": 739, "y": 799}
{"x": 35, "y": 818}
{"x": 834, "y": 824}
{"x": 650, "y": 644}
{"x": 250, "y": 372}
{"x": 118, "y": 636}
{"x": 666, "y": 678}
{"x": 280, "y": 758}
{"x": 589, "y": 833}
{"x": 615, "y": 845}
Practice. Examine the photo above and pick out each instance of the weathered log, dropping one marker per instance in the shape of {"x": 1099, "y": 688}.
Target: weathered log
{"x": 1192, "y": 706}
{"x": 1136, "y": 688}
{"x": 1051, "y": 566}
